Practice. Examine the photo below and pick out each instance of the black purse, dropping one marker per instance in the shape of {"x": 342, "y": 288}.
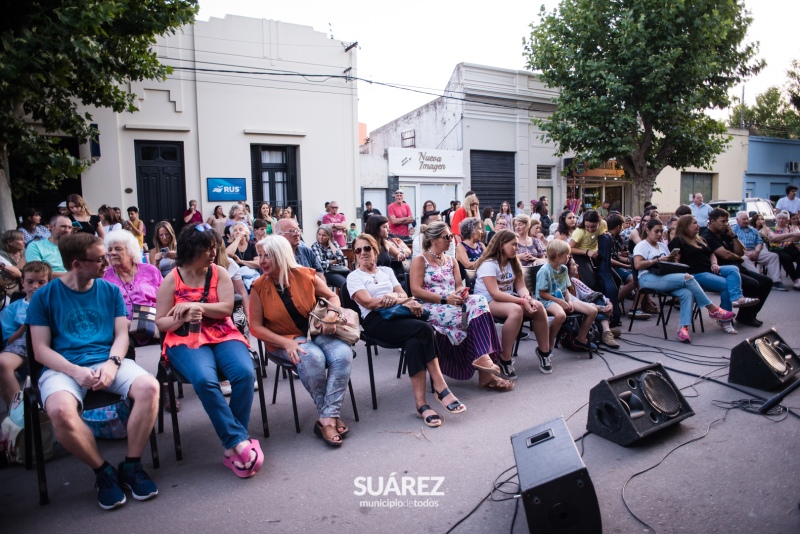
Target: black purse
{"x": 183, "y": 331}
{"x": 662, "y": 268}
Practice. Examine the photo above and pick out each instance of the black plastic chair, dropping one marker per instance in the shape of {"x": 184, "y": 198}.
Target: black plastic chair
{"x": 290, "y": 370}
{"x": 168, "y": 375}
{"x": 372, "y": 343}
{"x": 664, "y": 299}
{"x": 33, "y": 431}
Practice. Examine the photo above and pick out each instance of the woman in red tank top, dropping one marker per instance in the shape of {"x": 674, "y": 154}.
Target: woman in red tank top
{"x": 197, "y": 290}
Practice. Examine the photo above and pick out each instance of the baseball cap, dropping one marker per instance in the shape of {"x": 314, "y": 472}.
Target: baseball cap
{"x": 62, "y": 205}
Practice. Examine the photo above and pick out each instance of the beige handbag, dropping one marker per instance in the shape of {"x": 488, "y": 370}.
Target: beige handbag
{"x": 347, "y": 325}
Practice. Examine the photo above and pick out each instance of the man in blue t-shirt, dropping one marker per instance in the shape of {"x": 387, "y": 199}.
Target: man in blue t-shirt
{"x": 79, "y": 332}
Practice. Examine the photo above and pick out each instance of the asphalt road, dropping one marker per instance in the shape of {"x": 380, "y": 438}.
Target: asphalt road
{"x": 741, "y": 477}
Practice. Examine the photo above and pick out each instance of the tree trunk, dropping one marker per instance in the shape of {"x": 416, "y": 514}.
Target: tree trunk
{"x": 7, "y": 220}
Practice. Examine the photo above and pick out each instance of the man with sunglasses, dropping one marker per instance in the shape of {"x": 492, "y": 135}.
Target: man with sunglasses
{"x": 79, "y": 333}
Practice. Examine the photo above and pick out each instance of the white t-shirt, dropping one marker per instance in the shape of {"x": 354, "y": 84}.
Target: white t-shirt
{"x": 112, "y": 227}
{"x": 792, "y": 206}
{"x": 505, "y": 278}
{"x": 233, "y": 270}
{"x": 382, "y": 282}
{"x": 649, "y": 252}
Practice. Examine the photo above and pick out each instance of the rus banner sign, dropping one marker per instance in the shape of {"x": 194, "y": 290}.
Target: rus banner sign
{"x": 227, "y": 189}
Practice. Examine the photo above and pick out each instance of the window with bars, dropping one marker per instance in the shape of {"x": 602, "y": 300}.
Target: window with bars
{"x": 274, "y": 176}
{"x": 544, "y": 172}
{"x": 408, "y": 139}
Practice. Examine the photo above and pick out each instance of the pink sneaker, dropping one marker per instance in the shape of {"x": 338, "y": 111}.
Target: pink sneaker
{"x": 683, "y": 335}
{"x": 721, "y": 315}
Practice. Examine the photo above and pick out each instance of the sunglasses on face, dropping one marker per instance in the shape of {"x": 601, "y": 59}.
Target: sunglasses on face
{"x": 449, "y": 237}
{"x": 365, "y": 248}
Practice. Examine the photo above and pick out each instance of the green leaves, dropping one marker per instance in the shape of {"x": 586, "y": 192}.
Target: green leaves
{"x": 58, "y": 54}
{"x": 636, "y": 75}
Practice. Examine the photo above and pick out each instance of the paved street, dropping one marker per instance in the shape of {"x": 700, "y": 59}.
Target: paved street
{"x": 743, "y": 477}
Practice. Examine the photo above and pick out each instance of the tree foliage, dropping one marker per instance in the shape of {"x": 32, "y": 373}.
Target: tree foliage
{"x": 793, "y": 79}
{"x": 771, "y": 116}
{"x": 58, "y": 54}
{"x": 635, "y": 78}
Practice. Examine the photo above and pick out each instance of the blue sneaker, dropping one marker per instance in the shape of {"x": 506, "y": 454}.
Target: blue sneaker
{"x": 109, "y": 493}
{"x": 133, "y": 477}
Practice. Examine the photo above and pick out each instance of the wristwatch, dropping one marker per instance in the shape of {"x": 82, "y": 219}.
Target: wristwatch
{"x": 116, "y": 359}
{"x": 443, "y": 300}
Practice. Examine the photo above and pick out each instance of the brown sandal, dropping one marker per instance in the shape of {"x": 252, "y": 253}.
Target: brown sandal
{"x": 498, "y": 384}
{"x": 327, "y": 433}
{"x": 340, "y": 425}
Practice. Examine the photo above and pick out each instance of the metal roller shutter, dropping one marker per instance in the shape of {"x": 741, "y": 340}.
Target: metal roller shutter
{"x": 492, "y": 177}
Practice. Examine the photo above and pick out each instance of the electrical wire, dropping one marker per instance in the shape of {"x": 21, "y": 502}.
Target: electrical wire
{"x": 495, "y": 487}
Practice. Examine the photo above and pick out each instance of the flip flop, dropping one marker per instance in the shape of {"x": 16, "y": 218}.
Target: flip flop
{"x": 498, "y": 384}
{"x": 494, "y": 369}
{"x": 433, "y": 421}
{"x": 744, "y": 302}
{"x": 340, "y": 424}
{"x": 454, "y": 407}
{"x": 244, "y": 458}
{"x": 326, "y": 433}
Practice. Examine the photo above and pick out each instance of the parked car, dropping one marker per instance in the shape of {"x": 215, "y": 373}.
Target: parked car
{"x": 751, "y": 205}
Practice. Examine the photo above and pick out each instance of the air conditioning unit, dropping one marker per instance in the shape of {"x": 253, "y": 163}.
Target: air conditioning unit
{"x": 794, "y": 166}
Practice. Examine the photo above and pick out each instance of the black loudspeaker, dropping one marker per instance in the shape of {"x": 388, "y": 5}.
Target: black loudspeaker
{"x": 557, "y": 492}
{"x": 764, "y": 361}
{"x": 628, "y": 407}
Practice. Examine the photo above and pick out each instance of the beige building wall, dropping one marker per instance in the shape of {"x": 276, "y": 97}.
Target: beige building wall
{"x": 727, "y": 181}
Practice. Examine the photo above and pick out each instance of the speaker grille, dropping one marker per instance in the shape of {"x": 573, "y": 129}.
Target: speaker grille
{"x": 660, "y": 393}
{"x": 770, "y": 355}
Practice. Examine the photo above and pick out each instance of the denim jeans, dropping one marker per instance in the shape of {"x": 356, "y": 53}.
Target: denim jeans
{"x": 202, "y": 367}
{"x": 728, "y": 283}
{"x": 326, "y": 387}
{"x": 688, "y": 291}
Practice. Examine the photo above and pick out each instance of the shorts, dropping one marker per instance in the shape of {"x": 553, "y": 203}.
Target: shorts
{"x": 623, "y": 273}
{"x": 18, "y": 347}
{"x": 52, "y": 381}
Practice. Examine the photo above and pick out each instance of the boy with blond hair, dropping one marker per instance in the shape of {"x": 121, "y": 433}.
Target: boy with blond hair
{"x": 552, "y": 283}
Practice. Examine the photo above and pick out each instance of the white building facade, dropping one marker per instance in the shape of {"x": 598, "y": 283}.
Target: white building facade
{"x": 258, "y": 110}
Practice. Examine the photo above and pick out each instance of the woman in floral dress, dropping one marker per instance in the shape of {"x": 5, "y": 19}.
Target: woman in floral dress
{"x": 464, "y": 346}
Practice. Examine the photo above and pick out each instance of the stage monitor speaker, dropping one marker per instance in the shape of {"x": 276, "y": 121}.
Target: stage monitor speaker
{"x": 630, "y": 406}
{"x": 764, "y": 362}
{"x": 557, "y": 492}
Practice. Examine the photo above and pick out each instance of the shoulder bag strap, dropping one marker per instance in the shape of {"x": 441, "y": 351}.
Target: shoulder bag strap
{"x": 299, "y": 321}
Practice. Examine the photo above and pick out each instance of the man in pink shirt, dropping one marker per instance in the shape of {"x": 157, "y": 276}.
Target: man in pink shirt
{"x": 399, "y": 215}
{"x": 336, "y": 221}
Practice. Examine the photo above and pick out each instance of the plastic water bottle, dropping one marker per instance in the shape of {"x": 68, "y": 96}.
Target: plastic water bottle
{"x": 194, "y": 334}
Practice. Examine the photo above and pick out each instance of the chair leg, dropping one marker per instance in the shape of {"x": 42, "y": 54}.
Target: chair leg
{"x": 661, "y": 316}
{"x": 180, "y": 390}
{"x": 636, "y": 302}
{"x": 26, "y": 416}
{"x": 154, "y": 449}
{"x": 352, "y": 399}
{"x": 259, "y": 379}
{"x": 161, "y": 405}
{"x": 176, "y": 431}
{"x": 275, "y": 388}
{"x": 372, "y": 376}
{"x": 38, "y": 449}
{"x": 294, "y": 407}
{"x": 700, "y": 317}
{"x": 400, "y": 363}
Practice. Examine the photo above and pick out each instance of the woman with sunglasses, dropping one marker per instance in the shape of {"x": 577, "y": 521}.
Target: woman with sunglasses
{"x": 196, "y": 290}
{"x": 374, "y": 288}
{"x": 464, "y": 346}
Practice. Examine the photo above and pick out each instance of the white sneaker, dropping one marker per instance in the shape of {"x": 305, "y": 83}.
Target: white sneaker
{"x": 225, "y": 386}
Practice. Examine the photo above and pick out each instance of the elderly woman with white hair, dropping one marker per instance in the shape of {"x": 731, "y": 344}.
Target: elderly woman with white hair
{"x": 138, "y": 282}
{"x": 783, "y": 241}
{"x": 280, "y": 307}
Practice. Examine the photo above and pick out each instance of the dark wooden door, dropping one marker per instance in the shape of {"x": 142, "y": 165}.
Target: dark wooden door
{"x": 160, "y": 183}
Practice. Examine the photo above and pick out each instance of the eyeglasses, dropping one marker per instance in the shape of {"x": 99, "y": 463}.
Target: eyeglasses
{"x": 290, "y": 232}
{"x": 264, "y": 257}
{"x": 365, "y": 248}
{"x": 102, "y": 259}
{"x": 449, "y": 237}
{"x": 474, "y": 204}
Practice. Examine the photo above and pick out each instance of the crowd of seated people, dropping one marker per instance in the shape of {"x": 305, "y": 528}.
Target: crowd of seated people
{"x": 470, "y": 273}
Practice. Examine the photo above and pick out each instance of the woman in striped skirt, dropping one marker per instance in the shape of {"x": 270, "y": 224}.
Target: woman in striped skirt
{"x": 464, "y": 346}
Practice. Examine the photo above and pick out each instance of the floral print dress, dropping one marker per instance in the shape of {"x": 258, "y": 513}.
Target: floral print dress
{"x": 458, "y": 348}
